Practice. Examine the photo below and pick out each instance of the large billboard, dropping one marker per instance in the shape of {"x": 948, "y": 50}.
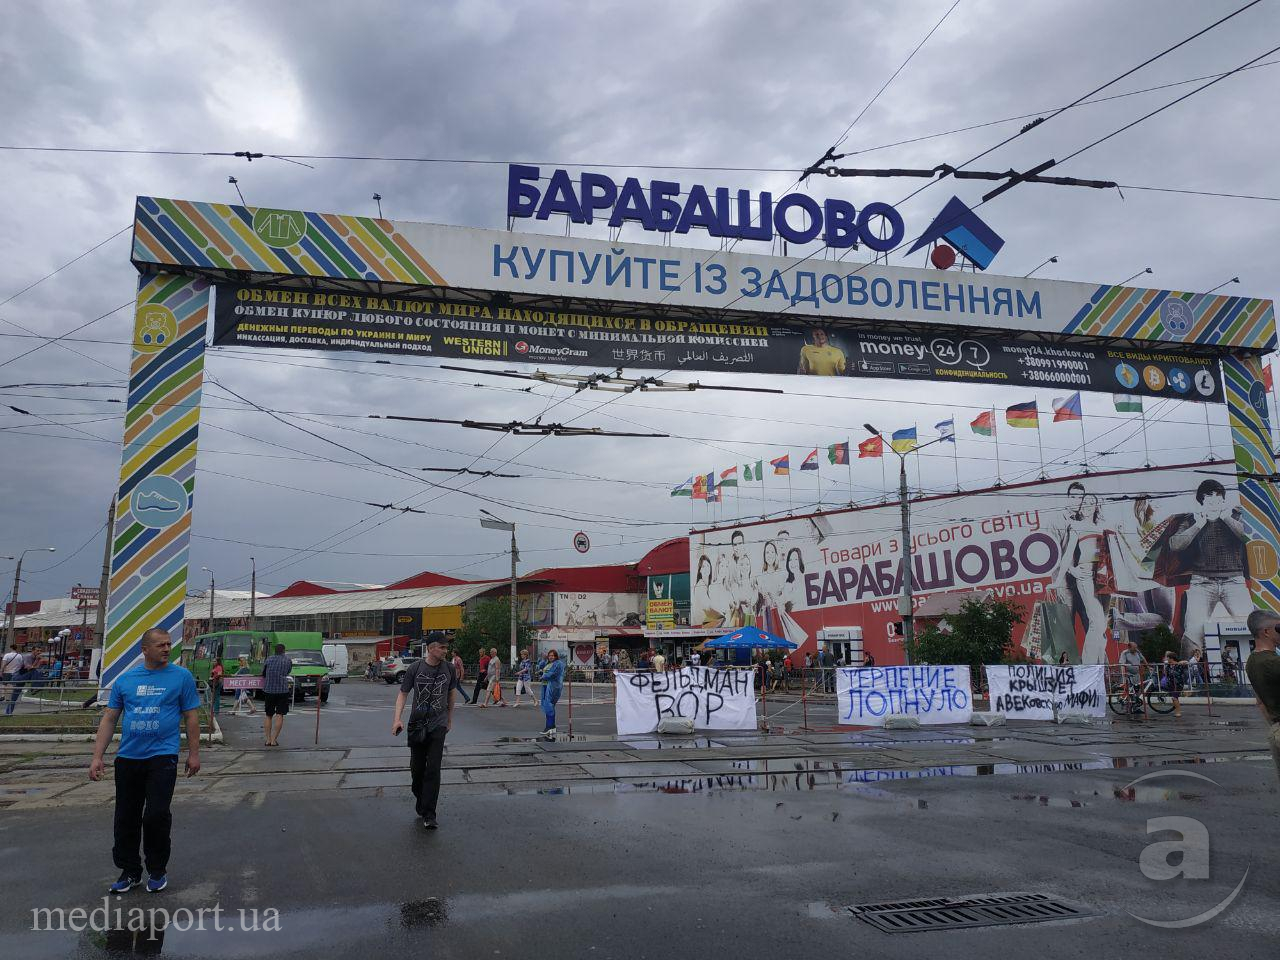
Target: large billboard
{"x": 1088, "y": 560}
{"x": 260, "y": 316}
{"x": 232, "y": 241}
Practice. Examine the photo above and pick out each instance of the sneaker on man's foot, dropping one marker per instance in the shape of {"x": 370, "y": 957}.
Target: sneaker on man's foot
{"x": 429, "y": 823}
{"x": 549, "y": 733}
{"x": 156, "y": 884}
{"x": 126, "y": 883}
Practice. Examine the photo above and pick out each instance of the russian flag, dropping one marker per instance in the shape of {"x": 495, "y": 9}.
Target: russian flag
{"x": 1067, "y": 408}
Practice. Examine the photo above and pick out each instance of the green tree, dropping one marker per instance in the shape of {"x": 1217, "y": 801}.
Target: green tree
{"x": 981, "y": 633}
{"x": 1154, "y": 642}
{"x": 488, "y": 625}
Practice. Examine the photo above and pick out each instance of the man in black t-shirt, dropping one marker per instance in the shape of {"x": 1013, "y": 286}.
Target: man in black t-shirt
{"x": 431, "y": 681}
{"x": 1263, "y": 669}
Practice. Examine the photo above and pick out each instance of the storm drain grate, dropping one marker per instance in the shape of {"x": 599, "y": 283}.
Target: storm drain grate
{"x": 954, "y": 913}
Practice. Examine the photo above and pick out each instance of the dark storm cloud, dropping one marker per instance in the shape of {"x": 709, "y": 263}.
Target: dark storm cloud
{"x": 738, "y": 84}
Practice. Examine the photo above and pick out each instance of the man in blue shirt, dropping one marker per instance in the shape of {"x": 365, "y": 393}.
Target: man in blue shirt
{"x": 152, "y": 696}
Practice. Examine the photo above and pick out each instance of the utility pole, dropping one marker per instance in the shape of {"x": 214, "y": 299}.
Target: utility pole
{"x": 100, "y": 626}
{"x": 496, "y": 524}
{"x": 515, "y": 555}
{"x": 253, "y": 594}
{"x": 905, "y": 607}
{"x": 13, "y": 600}
{"x": 210, "y": 573}
{"x": 905, "y": 602}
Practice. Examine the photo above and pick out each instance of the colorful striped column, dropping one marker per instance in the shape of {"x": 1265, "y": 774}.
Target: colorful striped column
{"x": 1250, "y": 434}
{"x": 157, "y": 467}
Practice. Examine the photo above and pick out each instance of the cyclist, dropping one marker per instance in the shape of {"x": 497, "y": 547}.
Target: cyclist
{"x": 1131, "y": 664}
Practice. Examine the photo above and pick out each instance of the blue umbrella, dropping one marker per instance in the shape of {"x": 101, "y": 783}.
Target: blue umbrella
{"x": 749, "y": 638}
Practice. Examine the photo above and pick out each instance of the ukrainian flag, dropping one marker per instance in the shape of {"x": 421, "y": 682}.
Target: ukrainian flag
{"x": 904, "y": 441}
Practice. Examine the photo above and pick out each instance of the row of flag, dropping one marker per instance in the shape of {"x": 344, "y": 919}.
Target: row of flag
{"x": 1026, "y": 416}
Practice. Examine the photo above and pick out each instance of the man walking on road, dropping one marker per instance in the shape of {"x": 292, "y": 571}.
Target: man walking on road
{"x": 459, "y": 674}
{"x": 276, "y": 693}
{"x": 480, "y": 677}
{"x": 152, "y": 696}
{"x": 431, "y": 681}
{"x": 1263, "y": 670}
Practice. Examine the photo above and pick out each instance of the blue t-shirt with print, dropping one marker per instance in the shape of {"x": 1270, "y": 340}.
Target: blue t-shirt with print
{"x": 152, "y": 703}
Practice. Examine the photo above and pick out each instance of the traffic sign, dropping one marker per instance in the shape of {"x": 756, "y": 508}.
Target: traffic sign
{"x": 581, "y": 542}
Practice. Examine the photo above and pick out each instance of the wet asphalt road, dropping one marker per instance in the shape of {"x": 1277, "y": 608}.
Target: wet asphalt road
{"x": 638, "y": 872}
{"x": 665, "y": 868}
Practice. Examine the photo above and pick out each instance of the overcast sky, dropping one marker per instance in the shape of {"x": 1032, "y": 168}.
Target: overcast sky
{"x": 717, "y": 84}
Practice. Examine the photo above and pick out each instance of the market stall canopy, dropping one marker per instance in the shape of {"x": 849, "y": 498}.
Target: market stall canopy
{"x": 749, "y": 638}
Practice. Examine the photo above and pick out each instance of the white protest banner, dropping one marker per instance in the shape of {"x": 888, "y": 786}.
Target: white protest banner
{"x": 1032, "y": 691}
{"x": 712, "y": 699}
{"x": 866, "y": 696}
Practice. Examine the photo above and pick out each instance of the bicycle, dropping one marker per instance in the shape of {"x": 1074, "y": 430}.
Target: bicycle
{"x": 1129, "y": 702}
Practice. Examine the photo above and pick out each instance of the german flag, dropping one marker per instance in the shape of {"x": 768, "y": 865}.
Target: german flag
{"x": 1023, "y": 415}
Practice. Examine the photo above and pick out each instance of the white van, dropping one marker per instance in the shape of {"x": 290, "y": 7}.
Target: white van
{"x": 335, "y": 655}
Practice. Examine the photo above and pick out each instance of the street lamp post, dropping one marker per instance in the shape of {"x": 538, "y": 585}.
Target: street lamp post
{"x": 1045, "y": 264}
{"x": 905, "y": 601}
{"x": 210, "y": 573}
{"x": 496, "y": 524}
{"x": 1135, "y": 276}
{"x": 17, "y": 581}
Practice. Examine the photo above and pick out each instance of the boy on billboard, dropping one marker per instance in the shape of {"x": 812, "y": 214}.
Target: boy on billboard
{"x": 1208, "y": 544}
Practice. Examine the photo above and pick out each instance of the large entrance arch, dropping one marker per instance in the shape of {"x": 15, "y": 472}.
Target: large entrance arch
{"x": 326, "y": 281}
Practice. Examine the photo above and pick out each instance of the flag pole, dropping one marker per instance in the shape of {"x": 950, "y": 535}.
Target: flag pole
{"x": 819, "y": 473}
{"x": 1084, "y": 450}
{"x": 791, "y": 503}
{"x": 848, "y": 462}
{"x": 884, "y": 480}
{"x": 919, "y": 475}
{"x": 955, "y": 452}
{"x": 1040, "y": 442}
{"x": 1142, "y": 411}
{"x": 1208, "y": 429}
{"x": 995, "y": 434}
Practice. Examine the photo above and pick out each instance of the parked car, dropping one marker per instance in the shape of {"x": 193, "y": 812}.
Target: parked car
{"x": 335, "y": 654}
{"x": 394, "y": 668}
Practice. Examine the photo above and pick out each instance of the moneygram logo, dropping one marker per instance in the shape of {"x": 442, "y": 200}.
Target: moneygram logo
{"x": 522, "y": 347}
{"x": 1182, "y": 853}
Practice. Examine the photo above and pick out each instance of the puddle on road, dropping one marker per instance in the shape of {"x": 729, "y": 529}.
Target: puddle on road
{"x": 810, "y": 775}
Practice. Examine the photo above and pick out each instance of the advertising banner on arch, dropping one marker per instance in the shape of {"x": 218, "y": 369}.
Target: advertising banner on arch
{"x": 1088, "y": 562}
{"x": 260, "y": 316}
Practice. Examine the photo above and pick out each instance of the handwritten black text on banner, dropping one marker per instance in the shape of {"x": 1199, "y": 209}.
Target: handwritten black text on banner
{"x": 867, "y": 696}
{"x": 1032, "y": 691}
{"x": 712, "y": 699}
